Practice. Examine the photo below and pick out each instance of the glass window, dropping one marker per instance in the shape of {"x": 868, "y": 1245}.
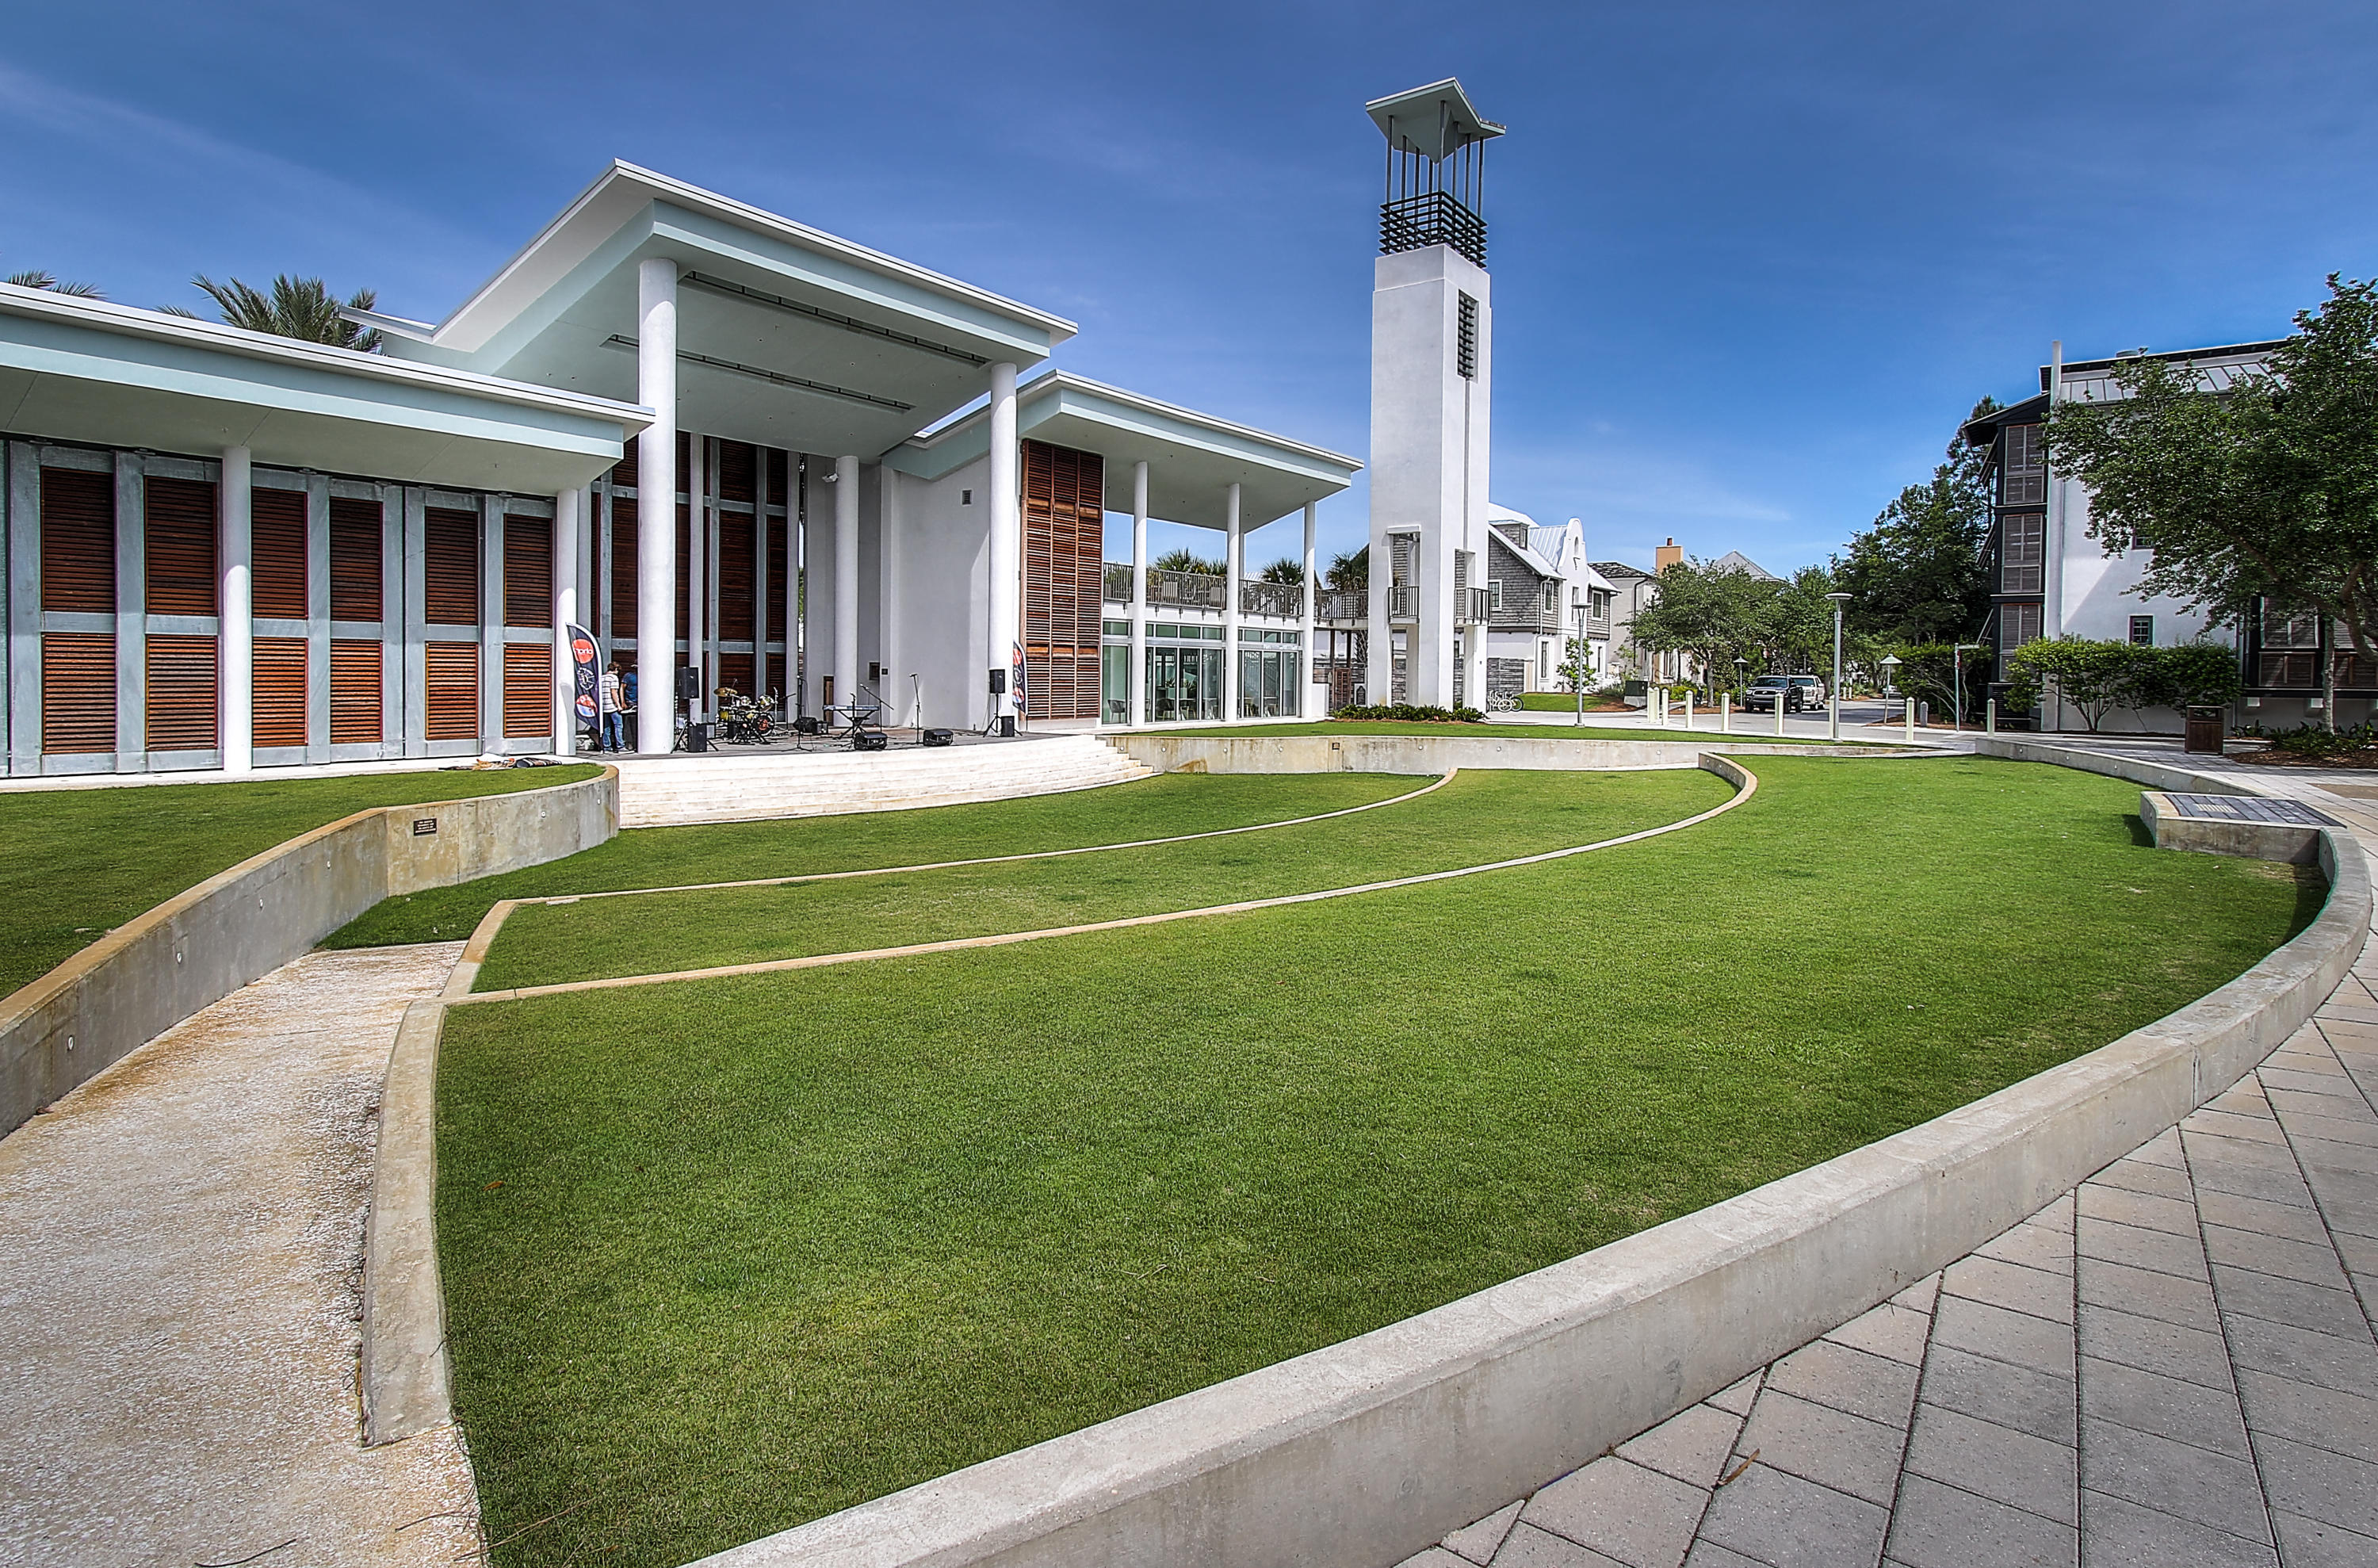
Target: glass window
{"x": 2022, "y": 475}
{"x": 1114, "y": 683}
{"x": 2143, "y": 630}
{"x": 1115, "y": 628}
{"x": 2023, "y": 549}
{"x": 1494, "y": 593}
{"x": 2018, "y": 624}
{"x": 2285, "y": 627}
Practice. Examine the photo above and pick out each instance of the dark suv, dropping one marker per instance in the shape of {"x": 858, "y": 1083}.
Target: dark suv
{"x": 1798, "y": 693}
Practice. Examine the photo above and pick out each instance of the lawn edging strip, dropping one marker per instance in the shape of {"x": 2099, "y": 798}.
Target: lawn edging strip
{"x": 201, "y": 945}
{"x": 1258, "y": 753}
{"x": 1370, "y": 1449}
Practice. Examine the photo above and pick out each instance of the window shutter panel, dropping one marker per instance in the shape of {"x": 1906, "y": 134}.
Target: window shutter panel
{"x": 181, "y": 528}
{"x": 739, "y": 471}
{"x": 183, "y": 694}
{"x": 77, "y": 691}
{"x": 279, "y": 687}
{"x": 450, "y": 568}
{"x": 354, "y": 560}
{"x": 79, "y": 545}
{"x": 276, "y": 530}
{"x": 623, "y": 568}
{"x": 354, "y": 692}
{"x": 451, "y": 693}
{"x": 738, "y": 578}
{"x": 528, "y": 689}
{"x": 528, "y": 571}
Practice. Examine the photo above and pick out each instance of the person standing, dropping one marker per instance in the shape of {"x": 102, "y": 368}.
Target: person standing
{"x": 614, "y": 702}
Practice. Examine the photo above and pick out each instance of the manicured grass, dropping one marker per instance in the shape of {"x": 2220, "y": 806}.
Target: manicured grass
{"x": 724, "y": 1256}
{"x": 1473, "y": 818}
{"x": 733, "y": 851}
{"x": 82, "y": 862}
{"x": 1704, "y": 730}
{"x": 1553, "y": 702}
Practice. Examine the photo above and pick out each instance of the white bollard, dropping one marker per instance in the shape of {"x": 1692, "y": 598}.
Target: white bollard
{"x": 1991, "y": 717}
{"x": 1911, "y": 720}
{"x": 1779, "y": 712}
{"x": 1725, "y": 713}
{"x": 1689, "y": 707}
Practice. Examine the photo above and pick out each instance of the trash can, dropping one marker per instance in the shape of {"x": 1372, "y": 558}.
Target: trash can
{"x": 2205, "y": 729}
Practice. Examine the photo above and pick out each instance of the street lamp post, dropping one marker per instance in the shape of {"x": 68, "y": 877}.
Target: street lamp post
{"x": 1889, "y": 677}
{"x": 1839, "y": 601}
{"x": 1959, "y": 694}
{"x": 1584, "y": 651}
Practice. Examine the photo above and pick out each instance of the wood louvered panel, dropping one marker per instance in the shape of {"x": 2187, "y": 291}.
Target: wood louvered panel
{"x": 528, "y": 571}
{"x": 279, "y": 687}
{"x": 354, "y": 560}
{"x": 79, "y": 545}
{"x": 450, "y": 694}
{"x": 684, "y": 458}
{"x": 276, "y": 543}
{"x": 623, "y": 568}
{"x": 528, "y": 689}
{"x": 684, "y": 577}
{"x": 183, "y": 694}
{"x": 739, "y": 471}
{"x": 736, "y": 578}
{"x": 777, "y": 673}
{"x": 623, "y": 473}
{"x": 355, "y": 691}
{"x": 77, "y": 691}
{"x": 1064, "y": 532}
{"x": 775, "y": 571}
{"x": 780, "y": 471}
{"x": 181, "y": 525}
{"x": 449, "y": 572}
{"x": 734, "y": 671}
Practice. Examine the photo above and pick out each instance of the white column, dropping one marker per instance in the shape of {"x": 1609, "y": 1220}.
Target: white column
{"x": 1138, "y": 708}
{"x": 1234, "y": 573}
{"x": 846, "y": 579}
{"x": 569, "y": 554}
{"x": 656, "y": 505}
{"x": 1006, "y": 623}
{"x": 235, "y": 609}
{"x": 697, "y": 571}
{"x": 1303, "y": 685}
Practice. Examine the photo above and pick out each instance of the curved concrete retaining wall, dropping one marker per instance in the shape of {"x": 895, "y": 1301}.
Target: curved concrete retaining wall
{"x": 1438, "y": 753}
{"x": 199, "y": 946}
{"x": 1368, "y": 1451}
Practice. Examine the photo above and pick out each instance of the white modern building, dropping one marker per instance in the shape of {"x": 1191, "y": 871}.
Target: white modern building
{"x": 230, "y": 551}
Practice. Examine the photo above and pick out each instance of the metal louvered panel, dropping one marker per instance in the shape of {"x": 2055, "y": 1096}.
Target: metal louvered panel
{"x": 739, "y": 471}
{"x": 183, "y": 694}
{"x": 528, "y": 571}
{"x": 623, "y": 568}
{"x": 277, "y": 547}
{"x": 450, "y": 572}
{"x": 354, "y": 560}
{"x": 528, "y": 689}
{"x": 181, "y": 526}
{"x": 354, "y": 692}
{"x": 77, "y": 691}
{"x": 451, "y": 697}
{"x": 279, "y": 687}
{"x": 1065, "y": 526}
{"x": 79, "y": 542}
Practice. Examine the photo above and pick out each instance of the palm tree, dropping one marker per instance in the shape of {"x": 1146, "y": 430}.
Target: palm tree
{"x": 1186, "y": 560}
{"x": 1349, "y": 571}
{"x": 1287, "y": 568}
{"x": 41, "y": 279}
{"x": 302, "y": 308}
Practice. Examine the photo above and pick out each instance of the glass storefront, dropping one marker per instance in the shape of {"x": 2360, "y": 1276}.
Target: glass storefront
{"x": 1188, "y": 673}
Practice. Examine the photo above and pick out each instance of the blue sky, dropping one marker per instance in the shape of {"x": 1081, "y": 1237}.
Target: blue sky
{"x": 1752, "y": 262}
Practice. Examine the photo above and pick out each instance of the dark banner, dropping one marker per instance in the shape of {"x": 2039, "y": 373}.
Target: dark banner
{"x": 585, "y": 678}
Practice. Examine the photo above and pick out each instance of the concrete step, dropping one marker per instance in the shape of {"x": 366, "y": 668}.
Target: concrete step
{"x": 730, "y": 789}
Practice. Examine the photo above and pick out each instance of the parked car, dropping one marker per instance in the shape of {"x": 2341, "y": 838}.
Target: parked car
{"x": 1797, "y": 692}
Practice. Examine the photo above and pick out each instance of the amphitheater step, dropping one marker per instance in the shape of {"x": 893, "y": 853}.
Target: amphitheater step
{"x": 660, "y": 792}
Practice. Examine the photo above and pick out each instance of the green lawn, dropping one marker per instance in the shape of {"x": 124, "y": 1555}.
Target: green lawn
{"x": 723, "y": 1256}
{"x": 1704, "y": 730}
{"x": 734, "y": 851}
{"x": 82, "y": 862}
{"x": 1476, "y": 817}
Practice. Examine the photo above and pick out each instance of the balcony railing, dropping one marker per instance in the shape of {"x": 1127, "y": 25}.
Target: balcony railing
{"x": 1283, "y": 599}
{"x": 1403, "y": 603}
{"x": 1189, "y": 590}
{"x": 1432, "y": 218}
{"x": 1118, "y": 582}
{"x": 1345, "y": 605}
{"x": 1472, "y": 605}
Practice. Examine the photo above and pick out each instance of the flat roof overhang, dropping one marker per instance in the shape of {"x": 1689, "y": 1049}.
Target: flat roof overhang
{"x": 786, "y": 336}
{"x": 86, "y": 370}
{"x": 1192, "y": 458}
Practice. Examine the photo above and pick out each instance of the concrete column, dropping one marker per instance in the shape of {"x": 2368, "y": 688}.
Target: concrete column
{"x": 1234, "y": 573}
{"x": 1138, "y": 696}
{"x": 697, "y": 571}
{"x": 656, "y": 505}
{"x": 846, "y": 579}
{"x": 897, "y": 687}
{"x": 235, "y": 607}
{"x": 1304, "y": 683}
{"x": 569, "y": 524}
{"x": 1006, "y": 623}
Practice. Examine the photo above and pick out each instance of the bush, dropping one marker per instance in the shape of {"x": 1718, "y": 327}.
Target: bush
{"x": 1413, "y": 713}
{"x": 2197, "y": 674}
{"x": 1566, "y": 702}
{"x": 2098, "y": 676}
{"x": 2314, "y": 741}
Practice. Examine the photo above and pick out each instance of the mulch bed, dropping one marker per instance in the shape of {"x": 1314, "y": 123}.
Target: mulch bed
{"x": 2364, "y": 760}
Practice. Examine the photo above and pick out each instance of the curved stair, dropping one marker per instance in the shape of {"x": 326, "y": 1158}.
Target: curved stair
{"x": 662, "y": 791}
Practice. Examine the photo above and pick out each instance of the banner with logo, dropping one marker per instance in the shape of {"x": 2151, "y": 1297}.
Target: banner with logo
{"x": 1016, "y": 677}
{"x": 585, "y": 678}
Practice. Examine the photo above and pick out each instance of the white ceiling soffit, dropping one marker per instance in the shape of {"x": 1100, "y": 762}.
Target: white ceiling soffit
{"x": 84, "y": 370}
{"x": 1433, "y": 121}
{"x": 1192, "y": 458}
{"x": 785, "y": 335}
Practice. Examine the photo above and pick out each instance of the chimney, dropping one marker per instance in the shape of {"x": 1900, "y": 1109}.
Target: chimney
{"x": 1667, "y": 555}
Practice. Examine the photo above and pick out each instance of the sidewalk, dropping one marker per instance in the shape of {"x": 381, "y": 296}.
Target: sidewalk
{"x": 2174, "y": 1364}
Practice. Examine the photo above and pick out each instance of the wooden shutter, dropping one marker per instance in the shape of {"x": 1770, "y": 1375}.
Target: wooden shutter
{"x": 623, "y": 568}
{"x": 77, "y": 690}
{"x": 684, "y": 577}
{"x": 181, "y": 525}
{"x": 528, "y": 571}
{"x": 1064, "y": 530}
{"x": 355, "y": 691}
{"x": 449, "y": 572}
{"x": 276, "y": 531}
{"x": 183, "y": 693}
{"x": 354, "y": 560}
{"x": 739, "y": 471}
{"x": 777, "y": 556}
{"x": 734, "y": 671}
{"x": 623, "y": 473}
{"x": 451, "y": 696}
{"x": 737, "y": 577}
{"x": 280, "y": 691}
{"x": 78, "y": 546}
{"x": 528, "y": 689}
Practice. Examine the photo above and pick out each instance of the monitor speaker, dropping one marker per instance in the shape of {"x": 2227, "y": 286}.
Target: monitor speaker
{"x": 870, "y": 740}
{"x": 937, "y": 737}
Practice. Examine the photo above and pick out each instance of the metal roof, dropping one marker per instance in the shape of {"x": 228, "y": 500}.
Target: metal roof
{"x": 1433, "y": 121}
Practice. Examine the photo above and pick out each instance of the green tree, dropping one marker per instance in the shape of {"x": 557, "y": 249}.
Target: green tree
{"x": 48, "y": 282}
{"x": 296, "y": 307}
{"x": 1349, "y": 570}
{"x": 1710, "y": 614}
{"x": 1800, "y": 624}
{"x": 1287, "y": 568}
{"x": 1186, "y": 559}
{"x": 1917, "y": 575}
{"x": 2094, "y": 677}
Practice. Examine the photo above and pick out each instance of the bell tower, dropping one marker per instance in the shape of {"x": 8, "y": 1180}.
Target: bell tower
{"x": 1432, "y": 378}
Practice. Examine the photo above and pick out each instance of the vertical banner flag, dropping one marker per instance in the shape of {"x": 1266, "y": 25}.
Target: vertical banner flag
{"x": 1016, "y": 678}
{"x": 584, "y": 678}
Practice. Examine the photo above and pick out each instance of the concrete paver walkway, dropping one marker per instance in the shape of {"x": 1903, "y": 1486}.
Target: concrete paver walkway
{"x": 2172, "y": 1365}
{"x": 180, "y": 1246}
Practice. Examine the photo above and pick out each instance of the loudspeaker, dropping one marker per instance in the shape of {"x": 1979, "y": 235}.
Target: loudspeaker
{"x": 999, "y": 683}
{"x": 1007, "y": 727}
{"x": 689, "y": 683}
{"x": 870, "y": 740}
{"x": 937, "y": 738}
{"x": 806, "y": 724}
{"x": 697, "y": 737}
